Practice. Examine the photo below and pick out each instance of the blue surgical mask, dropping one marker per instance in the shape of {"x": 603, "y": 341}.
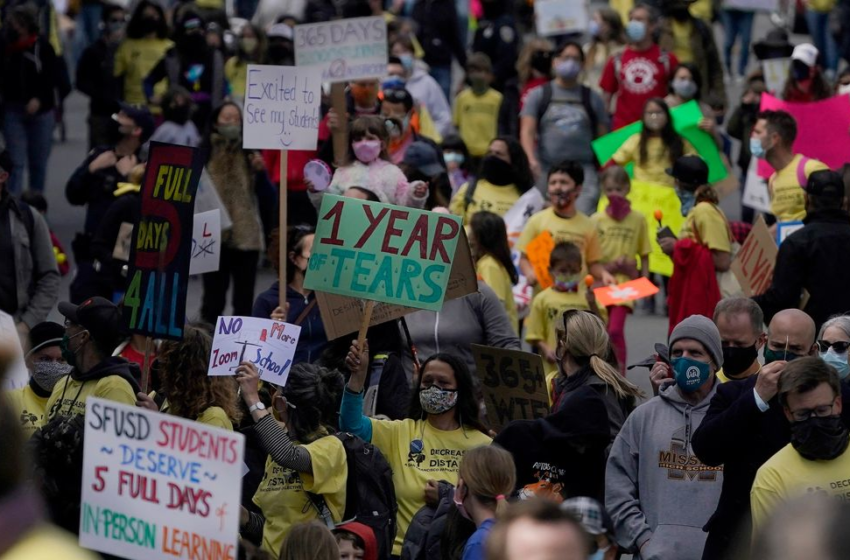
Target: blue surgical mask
{"x": 690, "y": 374}
{"x": 687, "y": 200}
{"x": 593, "y": 28}
{"x": 453, "y": 157}
{"x": 636, "y": 31}
{"x": 407, "y": 62}
{"x": 838, "y": 361}
{"x": 568, "y": 69}
{"x": 393, "y": 82}
{"x": 756, "y": 148}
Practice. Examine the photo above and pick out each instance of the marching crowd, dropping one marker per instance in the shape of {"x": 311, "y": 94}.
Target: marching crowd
{"x": 385, "y": 450}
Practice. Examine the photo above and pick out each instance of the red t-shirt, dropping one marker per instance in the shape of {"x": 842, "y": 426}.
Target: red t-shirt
{"x": 642, "y": 76}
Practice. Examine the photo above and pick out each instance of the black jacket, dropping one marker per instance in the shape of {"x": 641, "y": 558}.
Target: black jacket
{"x": 737, "y": 435}
{"x": 437, "y": 22}
{"x": 812, "y": 259}
{"x": 31, "y": 73}
{"x": 497, "y": 37}
{"x": 93, "y": 189}
{"x": 95, "y": 79}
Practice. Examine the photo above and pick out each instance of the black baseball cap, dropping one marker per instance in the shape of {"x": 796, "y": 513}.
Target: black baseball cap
{"x": 825, "y": 183}
{"x": 423, "y": 157}
{"x": 99, "y": 316}
{"x": 690, "y": 170}
{"x": 44, "y": 335}
{"x": 142, "y": 116}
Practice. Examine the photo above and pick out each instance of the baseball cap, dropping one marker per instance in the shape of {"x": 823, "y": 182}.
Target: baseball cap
{"x": 825, "y": 183}
{"x": 44, "y": 335}
{"x": 691, "y": 170}
{"x": 141, "y": 115}
{"x": 805, "y": 53}
{"x": 424, "y": 158}
{"x": 590, "y": 514}
{"x": 99, "y": 316}
{"x": 280, "y": 30}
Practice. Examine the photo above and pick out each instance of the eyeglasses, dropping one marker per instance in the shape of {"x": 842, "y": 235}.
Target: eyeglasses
{"x": 821, "y": 411}
{"x": 840, "y": 346}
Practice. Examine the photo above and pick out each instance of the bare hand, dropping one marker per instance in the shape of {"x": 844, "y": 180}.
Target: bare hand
{"x": 103, "y": 161}
{"x": 143, "y": 400}
{"x": 420, "y": 189}
{"x": 707, "y": 125}
{"x": 659, "y": 373}
{"x": 280, "y": 313}
{"x": 33, "y": 106}
{"x": 357, "y": 362}
{"x": 607, "y": 279}
{"x": 535, "y": 168}
{"x": 257, "y": 162}
{"x": 550, "y": 356}
{"x": 126, "y": 164}
{"x": 432, "y": 493}
{"x": 667, "y": 244}
{"x": 767, "y": 382}
{"x": 249, "y": 382}
{"x": 244, "y": 517}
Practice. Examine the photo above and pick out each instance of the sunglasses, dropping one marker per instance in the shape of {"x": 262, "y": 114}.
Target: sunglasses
{"x": 839, "y": 346}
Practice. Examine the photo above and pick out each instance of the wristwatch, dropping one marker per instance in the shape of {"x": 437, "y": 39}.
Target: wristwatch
{"x": 257, "y": 406}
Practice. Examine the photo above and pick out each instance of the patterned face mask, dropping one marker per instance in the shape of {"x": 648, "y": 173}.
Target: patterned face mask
{"x": 437, "y": 401}
{"x": 47, "y": 374}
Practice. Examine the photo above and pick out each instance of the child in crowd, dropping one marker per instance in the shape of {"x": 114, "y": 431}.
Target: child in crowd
{"x": 568, "y": 291}
{"x": 457, "y": 161}
{"x": 488, "y": 240}
{"x": 476, "y": 111}
{"x": 356, "y": 541}
{"x": 654, "y": 149}
{"x": 624, "y": 237}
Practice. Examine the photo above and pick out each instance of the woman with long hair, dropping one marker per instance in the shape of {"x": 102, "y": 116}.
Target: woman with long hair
{"x": 654, "y": 149}
{"x": 488, "y": 240}
{"x": 442, "y": 424}
{"x": 607, "y": 38}
{"x": 806, "y": 81}
{"x": 250, "y": 50}
{"x": 685, "y": 86}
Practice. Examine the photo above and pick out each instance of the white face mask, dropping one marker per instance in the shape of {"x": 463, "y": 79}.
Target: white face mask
{"x": 842, "y": 89}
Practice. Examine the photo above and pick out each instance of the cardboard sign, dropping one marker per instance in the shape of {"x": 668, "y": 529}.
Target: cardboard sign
{"x": 538, "y": 252}
{"x": 158, "y": 276}
{"x": 342, "y": 315}
{"x": 282, "y": 108}
{"x": 269, "y": 345}
{"x": 382, "y": 252}
{"x": 514, "y": 384}
{"x": 17, "y": 375}
{"x": 775, "y": 74}
{"x": 756, "y": 194}
{"x": 557, "y": 17}
{"x": 157, "y": 486}
{"x": 784, "y": 229}
{"x": 345, "y": 49}
{"x": 627, "y": 291}
{"x": 206, "y": 242}
{"x": 754, "y": 263}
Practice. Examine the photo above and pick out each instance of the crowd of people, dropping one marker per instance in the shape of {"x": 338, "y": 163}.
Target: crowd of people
{"x": 731, "y": 450}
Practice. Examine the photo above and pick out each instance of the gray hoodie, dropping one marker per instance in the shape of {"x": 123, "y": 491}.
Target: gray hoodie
{"x": 656, "y": 489}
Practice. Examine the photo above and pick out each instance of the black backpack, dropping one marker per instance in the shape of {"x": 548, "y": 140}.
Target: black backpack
{"x": 546, "y": 100}
{"x": 369, "y": 494}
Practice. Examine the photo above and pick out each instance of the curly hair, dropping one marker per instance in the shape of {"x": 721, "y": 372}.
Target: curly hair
{"x": 190, "y": 391}
{"x": 316, "y": 393}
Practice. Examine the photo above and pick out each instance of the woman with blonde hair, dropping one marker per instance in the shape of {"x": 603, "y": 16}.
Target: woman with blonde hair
{"x": 309, "y": 541}
{"x": 486, "y": 477}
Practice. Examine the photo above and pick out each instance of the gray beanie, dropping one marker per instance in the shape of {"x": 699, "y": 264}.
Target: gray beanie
{"x": 703, "y": 330}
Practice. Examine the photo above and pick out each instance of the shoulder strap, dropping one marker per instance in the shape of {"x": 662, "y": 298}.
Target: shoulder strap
{"x": 545, "y": 100}
{"x": 470, "y": 193}
{"x": 618, "y": 64}
{"x": 306, "y": 312}
{"x": 588, "y": 108}
{"x": 802, "y": 179}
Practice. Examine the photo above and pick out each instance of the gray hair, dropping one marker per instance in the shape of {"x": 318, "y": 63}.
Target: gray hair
{"x": 839, "y": 321}
{"x": 743, "y": 305}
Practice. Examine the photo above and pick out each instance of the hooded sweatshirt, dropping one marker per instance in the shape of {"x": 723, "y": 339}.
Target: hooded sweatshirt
{"x": 366, "y": 534}
{"x": 657, "y": 490}
{"x": 111, "y": 379}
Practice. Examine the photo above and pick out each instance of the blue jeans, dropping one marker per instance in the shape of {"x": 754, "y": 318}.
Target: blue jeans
{"x": 737, "y": 23}
{"x": 443, "y": 76}
{"x": 819, "y": 30}
{"x": 28, "y": 140}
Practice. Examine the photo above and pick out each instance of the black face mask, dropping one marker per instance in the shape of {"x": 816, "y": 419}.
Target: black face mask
{"x": 282, "y": 54}
{"x": 819, "y": 438}
{"x": 542, "y": 62}
{"x": 737, "y": 360}
{"x": 497, "y": 171}
{"x": 194, "y": 45}
{"x": 799, "y": 71}
{"x": 149, "y": 25}
{"x": 178, "y": 114}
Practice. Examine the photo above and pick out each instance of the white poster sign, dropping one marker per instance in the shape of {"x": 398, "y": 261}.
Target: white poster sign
{"x": 270, "y": 345}
{"x": 557, "y": 17}
{"x": 157, "y": 486}
{"x": 345, "y": 49}
{"x": 206, "y": 242}
{"x": 775, "y": 74}
{"x": 10, "y": 341}
{"x": 281, "y": 110}
{"x": 756, "y": 195}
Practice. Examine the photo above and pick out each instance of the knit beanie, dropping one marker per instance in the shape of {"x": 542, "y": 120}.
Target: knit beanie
{"x": 703, "y": 330}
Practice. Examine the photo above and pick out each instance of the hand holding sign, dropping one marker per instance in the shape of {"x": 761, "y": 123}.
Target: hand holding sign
{"x": 627, "y": 291}
{"x": 269, "y": 345}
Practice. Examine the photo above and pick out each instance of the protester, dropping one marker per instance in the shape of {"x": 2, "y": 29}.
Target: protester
{"x": 437, "y": 32}
{"x": 421, "y": 85}
{"x": 740, "y": 127}
{"x": 538, "y": 529}
{"x": 607, "y": 38}
{"x": 811, "y": 525}
{"x": 812, "y": 258}
{"x": 423, "y": 164}
{"x": 457, "y": 160}
{"x": 476, "y": 108}
{"x": 560, "y": 119}
{"x": 496, "y": 36}
{"x": 356, "y": 541}
{"x": 309, "y": 541}
{"x": 29, "y": 278}
{"x": 488, "y": 241}
{"x": 833, "y": 342}
{"x": 141, "y": 50}
{"x": 740, "y": 322}
{"x": 640, "y": 72}
{"x": 504, "y": 176}
{"x": 281, "y": 48}
{"x": 304, "y": 459}
{"x": 806, "y": 82}
{"x": 177, "y": 127}
{"x": 598, "y": 525}
{"x": 737, "y": 24}
{"x": 404, "y": 123}
{"x": 252, "y": 49}
{"x": 443, "y": 419}
{"x": 37, "y": 201}
{"x": 818, "y": 22}
{"x": 685, "y": 87}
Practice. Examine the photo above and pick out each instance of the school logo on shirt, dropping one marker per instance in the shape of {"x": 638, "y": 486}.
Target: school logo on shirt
{"x": 28, "y": 418}
{"x": 281, "y": 479}
{"x": 639, "y": 75}
{"x": 682, "y": 464}
{"x": 434, "y": 460}
{"x": 415, "y": 457}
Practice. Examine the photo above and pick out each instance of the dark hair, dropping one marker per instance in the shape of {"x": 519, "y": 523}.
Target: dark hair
{"x": 696, "y": 76}
{"x": 568, "y": 167}
{"x": 294, "y": 243}
{"x": 399, "y": 95}
{"x": 741, "y": 306}
{"x": 519, "y": 161}
{"x": 108, "y": 10}
{"x": 404, "y": 40}
{"x": 820, "y": 88}
{"x": 652, "y": 11}
{"x": 669, "y": 137}
{"x": 35, "y": 199}
{"x": 492, "y": 237}
{"x": 571, "y": 43}
{"x": 262, "y": 43}
{"x": 174, "y": 92}
{"x": 340, "y": 534}
{"x": 805, "y": 374}
{"x": 27, "y": 17}
{"x": 134, "y": 26}
{"x": 478, "y": 62}
{"x": 565, "y": 252}
{"x": 206, "y": 142}
{"x": 781, "y": 123}
{"x": 467, "y": 408}
{"x": 615, "y": 22}
{"x": 370, "y": 124}
{"x": 316, "y": 393}
{"x": 383, "y": 338}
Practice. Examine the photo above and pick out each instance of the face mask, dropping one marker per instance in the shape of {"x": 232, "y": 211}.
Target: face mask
{"x": 497, "y": 171}
{"x": 843, "y": 89}
{"x": 687, "y": 200}
{"x": 738, "y": 360}
{"x": 281, "y": 53}
{"x": 149, "y": 25}
{"x": 542, "y": 62}
{"x": 756, "y": 148}
{"x": 686, "y": 89}
{"x": 437, "y": 401}
{"x": 248, "y": 44}
{"x": 479, "y": 83}
{"x": 565, "y": 282}
{"x": 194, "y": 44}
{"x": 593, "y": 28}
{"x": 618, "y": 207}
{"x": 568, "y": 69}
{"x": 179, "y": 113}
{"x": 776, "y": 355}
{"x": 230, "y": 131}
{"x": 407, "y": 61}
{"x": 690, "y": 374}
{"x": 70, "y": 356}
{"x": 453, "y": 157}
{"x": 114, "y": 28}
{"x": 800, "y": 72}
{"x": 819, "y": 438}
{"x": 47, "y": 374}
{"x": 636, "y": 31}
{"x": 366, "y": 151}
{"x": 459, "y": 505}
{"x": 838, "y": 361}
{"x": 393, "y": 82}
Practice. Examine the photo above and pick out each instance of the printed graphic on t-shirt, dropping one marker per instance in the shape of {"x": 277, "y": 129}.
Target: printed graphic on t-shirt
{"x": 433, "y": 459}
{"x": 639, "y": 75}
{"x": 549, "y": 483}
{"x": 281, "y": 479}
{"x": 29, "y": 420}
{"x": 682, "y": 464}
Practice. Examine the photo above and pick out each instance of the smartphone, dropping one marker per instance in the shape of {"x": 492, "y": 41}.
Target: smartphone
{"x": 665, "y": 232}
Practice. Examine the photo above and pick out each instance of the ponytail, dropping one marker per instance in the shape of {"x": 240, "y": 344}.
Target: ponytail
{"x": 607, "y": 373}
{"x": 501, "y": 506}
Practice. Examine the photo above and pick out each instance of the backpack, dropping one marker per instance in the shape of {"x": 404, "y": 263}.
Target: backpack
{"x": 546, "y": 100}
{"x": 369, "y": 494}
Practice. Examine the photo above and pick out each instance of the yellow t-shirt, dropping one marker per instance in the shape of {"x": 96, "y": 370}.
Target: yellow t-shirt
{"x": 134, "y": 60}
{"x": 48, "y": 543}
{"x": 579, "y": 230}
{"x": 788, "y": 202}
{"x": 69, "y": 396}
{"x": 494, "y": 275}
{"x": 28, "y": 408}
{"x": 787, "y": 475}
{"x": 477, "y": 119}
{"x": 682, "y": 32}
{"x": 823, "y": 6}
{"x": 654, "y": 169}
{"x": 282, "y": 493}
{"x": 211, "y": 416}
{"x": 236, "y": 72}
{"x": 710, "y": 225}
{"x": 487, "y": 196}
{"x": 439, "y": 459}
{"x": 546, "y": 307}
{"x": 628, "y": 237}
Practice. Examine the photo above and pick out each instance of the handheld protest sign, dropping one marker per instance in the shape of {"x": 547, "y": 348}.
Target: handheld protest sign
{"x": 269, "y": 345}
{"x": 514, "y": 384}
{"x": 627, "y": 291}
{"x": 559, "y": 17}
{"x": 206, "y": 242}
{"x": 382, "y": 252}
{"x": 158, "y": 275}
{"x": 753, "y": 265}
{"x": 156, "y": 486}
